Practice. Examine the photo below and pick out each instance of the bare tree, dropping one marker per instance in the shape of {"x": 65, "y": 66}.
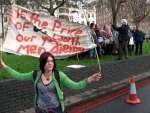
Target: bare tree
{"x": 113, "y": 6}
{"x": 140, "y": 10}
{"x": 49, "y": 5}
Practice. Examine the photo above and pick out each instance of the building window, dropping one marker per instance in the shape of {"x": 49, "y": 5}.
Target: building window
{"x": 64, "y": 17}
{"x": 61, "y": 10}
{"x": 93, "y": 15}
{"x": 88, "y": 15}
{"x": 82, "y": 15}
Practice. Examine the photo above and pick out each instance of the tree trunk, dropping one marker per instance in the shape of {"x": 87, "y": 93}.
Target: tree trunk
{"x": 114, "y": 17}
{"x": 137, "y": 24}
{"x": 51, "y": 12}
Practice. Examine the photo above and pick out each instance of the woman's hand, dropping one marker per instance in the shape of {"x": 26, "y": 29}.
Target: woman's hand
{"x": 94, "y": 77}
{"x": 2, "y": 64}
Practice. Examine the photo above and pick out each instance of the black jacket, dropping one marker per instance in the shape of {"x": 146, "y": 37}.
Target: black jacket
{"x": 139, "y": 36}
{"x": 123, "y": 32}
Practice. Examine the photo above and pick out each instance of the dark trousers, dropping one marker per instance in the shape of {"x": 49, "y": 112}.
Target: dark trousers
{"x": 54, "y": 110}
{"x": 138, "y": 47}
{"x": 123, "y": 49}
{"x": 108, "y": 49}
{"x": 130, "y": 49}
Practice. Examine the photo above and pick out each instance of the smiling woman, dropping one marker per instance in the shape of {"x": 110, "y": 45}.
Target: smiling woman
{"x": 48, "y": 83}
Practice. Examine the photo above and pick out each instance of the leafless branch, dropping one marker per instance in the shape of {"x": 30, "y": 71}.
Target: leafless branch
{"x": 59, "y": 4}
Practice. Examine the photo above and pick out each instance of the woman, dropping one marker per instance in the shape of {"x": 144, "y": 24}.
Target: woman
{"x": 48, "y": 83}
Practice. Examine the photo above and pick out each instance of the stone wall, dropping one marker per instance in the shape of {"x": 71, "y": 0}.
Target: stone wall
{"x": 15, "y": 96}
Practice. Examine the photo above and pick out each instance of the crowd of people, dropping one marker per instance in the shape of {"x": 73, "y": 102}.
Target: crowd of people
{"x": 122, "y": 40}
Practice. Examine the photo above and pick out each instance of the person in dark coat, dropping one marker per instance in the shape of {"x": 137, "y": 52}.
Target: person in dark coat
{"x": 139, "y": 37}
{"x": 123, "y": 38}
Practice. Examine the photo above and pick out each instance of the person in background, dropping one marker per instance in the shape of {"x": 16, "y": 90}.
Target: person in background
{"x": 92, "y": 53}
{"x": 99, "y": 40}
{"x": 107, "y": 39}
{"x": 48, "y": 83}
{"x": 115, "y": 41}
{"x": 131, "y": 42}
{"x": 123, "y": 39}
{"x": 139, "y": 37}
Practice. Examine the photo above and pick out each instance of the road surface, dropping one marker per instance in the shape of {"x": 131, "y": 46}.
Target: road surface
{"x": 115, "y": 102}
{"x": 120, "y": 106}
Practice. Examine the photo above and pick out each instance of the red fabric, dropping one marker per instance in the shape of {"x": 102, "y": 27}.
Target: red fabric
{"x": 107, "y": 34}
{"x": 96, "y": 29}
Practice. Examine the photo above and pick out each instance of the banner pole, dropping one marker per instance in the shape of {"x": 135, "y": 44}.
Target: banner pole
{"x": 99, "y": 66}
{"x": 77, "y": 57}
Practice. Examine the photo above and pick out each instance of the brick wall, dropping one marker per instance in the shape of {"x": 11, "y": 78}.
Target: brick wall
{"x": 15, "y": 95}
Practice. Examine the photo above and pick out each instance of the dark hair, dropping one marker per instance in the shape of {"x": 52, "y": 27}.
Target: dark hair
{"x": 43, "y": 60}
{"x": 91, "y": 25}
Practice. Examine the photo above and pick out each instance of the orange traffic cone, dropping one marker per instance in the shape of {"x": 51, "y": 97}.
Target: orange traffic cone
{"x": 133, "y": 98}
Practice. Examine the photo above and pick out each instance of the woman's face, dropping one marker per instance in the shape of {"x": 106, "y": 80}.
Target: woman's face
{"x": 49, "y": 64}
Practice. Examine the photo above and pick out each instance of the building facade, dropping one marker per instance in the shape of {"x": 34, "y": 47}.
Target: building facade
{"x": 77, "y": 13}
{"x": 104, "y": 16}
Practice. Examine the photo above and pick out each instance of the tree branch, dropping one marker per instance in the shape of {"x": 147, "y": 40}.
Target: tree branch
{"x": 40, "y": 4}
{"x": 51, "y": 5}
{"x": 60, "y": 4}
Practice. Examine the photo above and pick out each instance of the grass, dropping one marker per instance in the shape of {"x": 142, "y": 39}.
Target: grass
{"x": 27, "y": 63}
{"x": 146, "y": 48}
